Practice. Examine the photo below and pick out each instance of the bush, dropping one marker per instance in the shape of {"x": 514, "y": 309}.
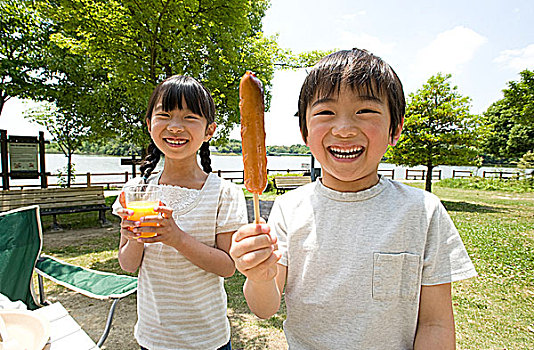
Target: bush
{"x": 490, "y": 184}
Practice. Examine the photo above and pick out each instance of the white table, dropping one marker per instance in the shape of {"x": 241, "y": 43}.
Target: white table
{"x": 65, "y": 332}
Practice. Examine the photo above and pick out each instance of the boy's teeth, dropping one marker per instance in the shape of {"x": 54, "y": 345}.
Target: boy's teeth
{"x": 346, "y": 153}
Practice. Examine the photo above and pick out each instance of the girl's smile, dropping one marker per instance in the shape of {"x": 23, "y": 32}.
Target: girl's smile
{"x": 179, "y": 133}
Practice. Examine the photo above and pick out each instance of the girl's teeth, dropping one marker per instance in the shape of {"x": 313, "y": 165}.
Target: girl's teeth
{"x": 172, "y": 142}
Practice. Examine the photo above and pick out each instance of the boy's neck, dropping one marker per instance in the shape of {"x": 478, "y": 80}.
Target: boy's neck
{"x": 183, "y": 173}
{"x": 350, "y": 186}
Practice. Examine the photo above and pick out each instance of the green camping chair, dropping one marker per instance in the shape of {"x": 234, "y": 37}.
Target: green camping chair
{"x": 20, "y": 248}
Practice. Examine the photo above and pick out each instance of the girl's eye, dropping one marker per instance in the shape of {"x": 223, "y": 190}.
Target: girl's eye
{"x": 192, "y": 117}
{"x": 162, "y": 115}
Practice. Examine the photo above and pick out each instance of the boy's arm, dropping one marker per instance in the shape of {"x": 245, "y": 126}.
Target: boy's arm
{"x": 435, "y": 325}
{"x": 255, "y": 253}
{"x": 263, "y": 297}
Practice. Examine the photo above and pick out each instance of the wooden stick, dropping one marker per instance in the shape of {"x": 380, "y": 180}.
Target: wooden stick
{"x": 256, "y": 199}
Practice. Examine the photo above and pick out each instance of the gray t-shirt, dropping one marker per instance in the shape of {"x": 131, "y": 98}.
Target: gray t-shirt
{"x": 356, "y": 263}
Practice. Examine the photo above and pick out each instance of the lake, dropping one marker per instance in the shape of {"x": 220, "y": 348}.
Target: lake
{"x": 109, "y": 164}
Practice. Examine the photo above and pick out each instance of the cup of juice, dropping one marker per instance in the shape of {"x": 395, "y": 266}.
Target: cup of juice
{"x": 142, "y": 199}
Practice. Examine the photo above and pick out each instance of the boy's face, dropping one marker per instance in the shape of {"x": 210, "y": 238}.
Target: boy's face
{"x": 348, "y": 134}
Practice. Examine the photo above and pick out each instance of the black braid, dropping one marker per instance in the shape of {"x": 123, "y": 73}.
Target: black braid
{"x": 205, "y": 159}
{"x": 150, "y": 161}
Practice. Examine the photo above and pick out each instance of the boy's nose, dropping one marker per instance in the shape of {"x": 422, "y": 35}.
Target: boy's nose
{"x": 344, "y": 128}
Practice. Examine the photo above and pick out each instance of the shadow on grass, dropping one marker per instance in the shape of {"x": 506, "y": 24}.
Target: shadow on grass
{"x": 470, "y": 207}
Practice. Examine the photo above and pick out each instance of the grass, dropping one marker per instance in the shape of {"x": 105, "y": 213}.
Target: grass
{"x": 492, "y": 311}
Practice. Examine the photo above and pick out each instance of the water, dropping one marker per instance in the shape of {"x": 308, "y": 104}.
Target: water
{"x": 106, "y": 164}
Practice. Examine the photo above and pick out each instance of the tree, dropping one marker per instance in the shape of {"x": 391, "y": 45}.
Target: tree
{"x": 510, "y": 120}
{"x": 141, "y": 43}
{"x": 438, "y": 129}
{"x": 66, "y": 126}
{"x": 23, "y": 37}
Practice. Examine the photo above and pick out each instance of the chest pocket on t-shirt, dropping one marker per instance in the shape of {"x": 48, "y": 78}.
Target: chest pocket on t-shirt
{"x": 396, "y": 275}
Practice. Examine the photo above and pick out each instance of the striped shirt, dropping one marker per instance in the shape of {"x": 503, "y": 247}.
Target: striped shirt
{"x": 179, "y": 305}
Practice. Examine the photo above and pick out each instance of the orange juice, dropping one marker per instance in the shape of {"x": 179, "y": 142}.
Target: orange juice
{"x": 141, "y": 209}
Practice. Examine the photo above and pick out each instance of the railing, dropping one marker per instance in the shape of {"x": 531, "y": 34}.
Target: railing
{"x": 501, "y": 174}
{"x": 387, "y": 173}
{"x": 417, "y": 174}
{"x": 461, "y": 173}
{"x": 120, "y": 178}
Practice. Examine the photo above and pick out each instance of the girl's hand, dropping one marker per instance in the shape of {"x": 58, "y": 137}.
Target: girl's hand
{"x": 167, "y": 232}
{"x": 127, "y": 226}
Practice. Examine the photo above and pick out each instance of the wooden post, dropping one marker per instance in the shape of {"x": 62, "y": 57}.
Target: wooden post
{"x": 42, "y": 165}
{"x": 125, "y": 177}
{"x": 88, "y": 179}
{"x": 5, "y": 169}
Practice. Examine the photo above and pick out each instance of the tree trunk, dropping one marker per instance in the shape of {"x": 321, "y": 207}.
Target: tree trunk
{"x": 69, "y": 169}
{"x": 428, "y": 180}
{"x": 2, "y": 101}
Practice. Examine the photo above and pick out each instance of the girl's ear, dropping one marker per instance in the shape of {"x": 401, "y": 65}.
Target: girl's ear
{"x": 148, "y": 124}
{"x": 210, "y": 130}
{"x": 397, "y": 134}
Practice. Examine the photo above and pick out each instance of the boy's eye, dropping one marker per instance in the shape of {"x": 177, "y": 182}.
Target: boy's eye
{"x": 366, "y": 111}
{"x": 324, "y": 112}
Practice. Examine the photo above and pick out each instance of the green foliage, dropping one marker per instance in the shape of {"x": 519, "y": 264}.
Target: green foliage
{"x": 138, "y": 44}
{"x": 438, "y": 128}
{"x": 234, "y": 147}
{"x": 490, "y": 184}
{"x": 22, "y": 40}
{"x": 510, "y": 120}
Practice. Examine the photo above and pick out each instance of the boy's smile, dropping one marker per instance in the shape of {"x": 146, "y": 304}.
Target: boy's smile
{"x": 349, "y": 133}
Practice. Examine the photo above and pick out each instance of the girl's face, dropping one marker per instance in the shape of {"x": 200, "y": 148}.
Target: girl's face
{"x": 179, "y": 133}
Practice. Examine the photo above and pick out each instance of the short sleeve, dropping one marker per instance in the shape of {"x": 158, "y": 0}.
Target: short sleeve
{"x": 446, "y": 259}
{"x": 232, "y": 209}
{"x": 277, "y": 223}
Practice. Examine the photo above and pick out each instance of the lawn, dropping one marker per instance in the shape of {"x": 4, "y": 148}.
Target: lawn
{"x": 492, "y": 311}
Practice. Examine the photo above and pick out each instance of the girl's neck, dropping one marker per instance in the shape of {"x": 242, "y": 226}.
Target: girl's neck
{"x": 183, "y": 173}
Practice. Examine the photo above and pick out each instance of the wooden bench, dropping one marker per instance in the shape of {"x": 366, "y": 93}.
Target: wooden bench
{"x": 54, "y": 201}
{"x": 286, "y": 183}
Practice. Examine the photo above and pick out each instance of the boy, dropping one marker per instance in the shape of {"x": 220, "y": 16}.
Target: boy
{"x": 367, "y": 263}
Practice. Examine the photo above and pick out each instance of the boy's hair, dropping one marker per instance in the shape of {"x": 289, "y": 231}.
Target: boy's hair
{"x": 172, "y": 92}
{"x": 359, "y": 69}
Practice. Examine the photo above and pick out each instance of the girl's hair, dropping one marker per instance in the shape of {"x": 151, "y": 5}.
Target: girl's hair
{"x": 171, "y": 92}
{"x": 359, "y": 69}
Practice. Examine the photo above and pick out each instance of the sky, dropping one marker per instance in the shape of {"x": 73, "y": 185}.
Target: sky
{"x": 484, "y": 44}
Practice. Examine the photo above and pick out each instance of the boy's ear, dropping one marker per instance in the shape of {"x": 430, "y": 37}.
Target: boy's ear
{"x": 210, "y": 130}
{"x": 398, "y": 132}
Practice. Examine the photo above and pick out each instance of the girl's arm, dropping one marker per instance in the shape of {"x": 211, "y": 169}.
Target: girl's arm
{"x": 130, "y": 254}
{"x": 435, "y": 326}
{"x": 212, "y": 259}
{"x": 130, "y": 249}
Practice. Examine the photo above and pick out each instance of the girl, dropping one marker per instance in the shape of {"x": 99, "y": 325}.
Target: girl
{"x": 181, "y": 302}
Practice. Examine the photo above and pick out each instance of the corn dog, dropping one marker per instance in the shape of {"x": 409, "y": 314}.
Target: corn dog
{"x": 253, "y": 133}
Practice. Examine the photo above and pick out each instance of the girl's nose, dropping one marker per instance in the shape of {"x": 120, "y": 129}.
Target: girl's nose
{"x": 175, "y": 126}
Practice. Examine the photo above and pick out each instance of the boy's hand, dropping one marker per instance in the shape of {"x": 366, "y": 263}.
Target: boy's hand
{"x": 255, "y": 253}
